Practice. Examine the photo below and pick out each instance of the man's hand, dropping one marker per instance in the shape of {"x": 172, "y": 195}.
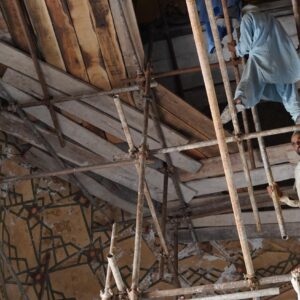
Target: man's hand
{"x": 272, "y": 188}
{"x": 231, "y": 46}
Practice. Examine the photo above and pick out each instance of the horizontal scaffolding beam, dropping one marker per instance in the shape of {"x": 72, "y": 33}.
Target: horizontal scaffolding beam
{"x": 216, "y": 287}
{"x": 243, "y": 295}
{"x": 67, "y": 171}
{"x": 230, "y": 139}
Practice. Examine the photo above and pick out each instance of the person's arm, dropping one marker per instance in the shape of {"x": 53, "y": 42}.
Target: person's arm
{"x": 284, "y": 198}
{"x": 246, "y": 39}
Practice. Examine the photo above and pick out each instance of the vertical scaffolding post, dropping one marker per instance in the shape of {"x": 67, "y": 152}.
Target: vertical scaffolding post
{"x": 296, "y": 5}
{"x": 237, "y": 79}
{"x": 207, "y": 76}
{"x": 146, "y": 188}
{"x": 140, "y": 207}
{"x": 271, "y": 182}
{"x": 235, "y": 122}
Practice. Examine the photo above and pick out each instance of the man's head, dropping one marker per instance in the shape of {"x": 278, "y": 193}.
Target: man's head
{"x": 295, "y": 140}
{"x": 249, "y": 8}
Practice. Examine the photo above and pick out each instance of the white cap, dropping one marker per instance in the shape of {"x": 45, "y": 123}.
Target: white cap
{"x": 249, "y": 8}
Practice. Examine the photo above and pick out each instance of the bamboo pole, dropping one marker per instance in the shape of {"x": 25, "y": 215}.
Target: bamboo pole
{"x": 210, "y": 89}
{"x": 230, "y": 139}
{"x": 243, "y": 295}
{"x": 133, "y": 294}
{"x": 107, "y": 293}
{"x": 146, "y": 188}
{"x": 237, "y": 79}
{"x": 86, "y": 97}
{"x": 68, "y": 171}
{"x": 116, "y": 273}
{"x": 269, "y": 175}
{"x": 216, "y": 287}
{"x": 235, "y": 122}
{"x": 296, "y": 5}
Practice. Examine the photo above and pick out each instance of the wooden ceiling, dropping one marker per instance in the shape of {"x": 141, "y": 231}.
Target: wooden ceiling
{"x": 87, "y": 46}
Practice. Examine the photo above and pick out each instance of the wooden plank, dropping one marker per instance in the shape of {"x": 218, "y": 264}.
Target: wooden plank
{"x": 95, "y": 117}
{"x": 108, "y": 41}
{"x": 269, "y": 231}
{"x": 86, "y": 33}
{"x": 44, "y": 32}
{"x": 197, "y": 124}
{"x": 68, "y": 85}
{"x": 266, "y": 217}
{"x": 13, "y": 23}
{"x": 212, "y": 167}
{"x": 45, "y": 162}
{"x": 128, "y": 52}
{"x": 66, "y": 37}
{"x": 218, "y": 184}
{"x": 4, "y": 32}
{"x": 123, "y": 175}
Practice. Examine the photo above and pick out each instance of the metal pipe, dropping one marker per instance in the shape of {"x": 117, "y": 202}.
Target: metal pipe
{"x": 38, "y": 69}
{"x": 210, "y": 89}
{"x": 243, "y": 295}
{"x": 231, "y": 139}
{"x": 216, "y": 287}
{"x": 296, "y": 5}
{"x": 229, "y": 97}
{"x": 68, "y": 171}
{"x": 140, "y": 207}
{"x": 116, "y": 273}
{"x": 269, "y": 175}
{"x": 146, "y": 188}
{"x": 107, "y": 293}
{"x": 86, "y": 97}
{"x": 237, "y": 79}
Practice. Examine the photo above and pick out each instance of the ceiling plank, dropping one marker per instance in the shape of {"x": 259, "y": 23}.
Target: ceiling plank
{"x": 270, "y": 231}
{"x": 66, "y": 38}
{"x": 80, "y": 12}
{"x": 45, "y": 162}
{"x": 212, "y": 167}
{"x": 13, "y": 23}
{"x": 44, "y": 32}
{"x": 95, "y": 117}
{"x": 218, "y": 184}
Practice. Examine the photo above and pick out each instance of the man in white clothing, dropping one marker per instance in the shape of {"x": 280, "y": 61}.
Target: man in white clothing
{"x": 295, "y": 140}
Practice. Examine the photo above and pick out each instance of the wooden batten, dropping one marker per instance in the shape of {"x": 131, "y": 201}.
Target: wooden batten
{"x": 80, "y": 12}
{"x": 46, "y": 39}
{"x": 13, "y": 23}
{"x": 67, "y": 39}
{"x": 108, "y": 41}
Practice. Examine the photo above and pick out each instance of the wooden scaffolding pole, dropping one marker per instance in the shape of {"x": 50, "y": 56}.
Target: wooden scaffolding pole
{"x": 210, "y": 89}
{"x": 235, "y": 122}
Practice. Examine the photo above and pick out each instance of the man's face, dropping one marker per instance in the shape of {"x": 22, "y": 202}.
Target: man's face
{"x": 296, "y": 143}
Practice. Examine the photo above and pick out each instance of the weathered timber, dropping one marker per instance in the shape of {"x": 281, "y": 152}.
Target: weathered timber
{"x": 45, "y": 35}
{"x": 45, "y": 162}
{"x": 97, "y": 118}
{"x": 267, "y": 217}
{"x": 270, "y": 231}
{"x": 13, "y": 23}
{"x": 66, "y": 38}
{"x": 212, "y": 167}
{"x": 80, "y": 12}
{"x": 218, "y": 184}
